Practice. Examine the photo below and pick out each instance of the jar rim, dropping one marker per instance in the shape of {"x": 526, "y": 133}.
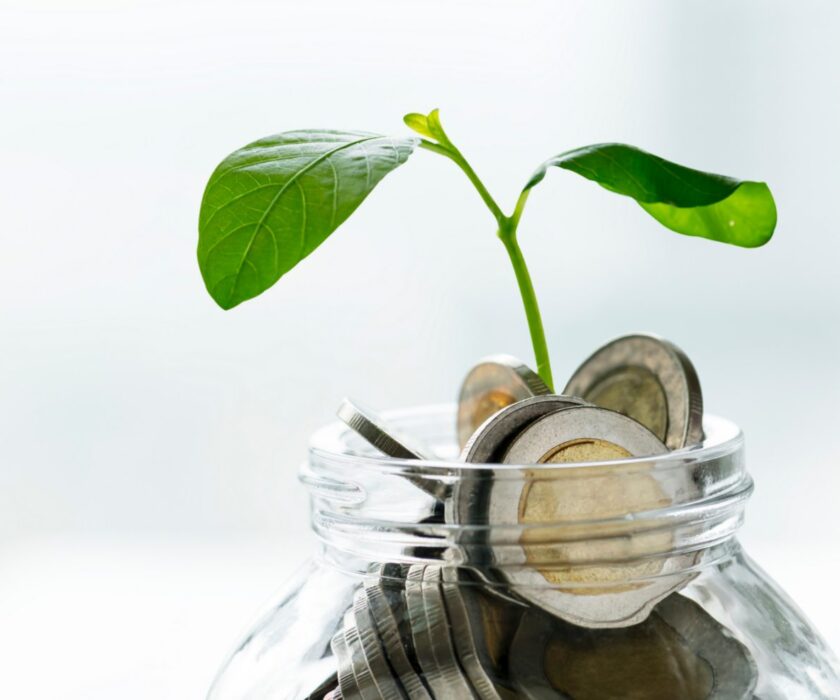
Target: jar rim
{"x": 337, "y": 443}
{"x": 661, "y": 507}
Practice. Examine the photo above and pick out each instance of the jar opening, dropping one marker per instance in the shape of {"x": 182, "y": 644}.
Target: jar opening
{"x": 582, "y": 525}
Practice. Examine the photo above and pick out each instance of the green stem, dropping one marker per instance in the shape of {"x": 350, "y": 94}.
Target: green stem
{"x": 507, "y": 234}
{"x": 455, "y": 155}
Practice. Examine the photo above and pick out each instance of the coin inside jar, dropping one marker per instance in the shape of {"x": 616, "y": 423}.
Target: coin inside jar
{"x": 492, "y": 384}
{"x": 574, "y": 522}
{"x": 679, "y": 651}
{"x": 648, "y": 379}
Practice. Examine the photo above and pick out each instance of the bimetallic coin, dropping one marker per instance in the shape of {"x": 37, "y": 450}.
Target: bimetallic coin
{"x": 492, "y": 438}
{"x": 386, "y": 683}
{"x": 389, "y": 634}
{"x": 468, "y": 501}
{"x": 565, "y": 562}
{"x": 679, "y": 651}
{"x": 492, "y": 384}
{"x": 439, "y": 633}
{"x": 582, "y": 434}
{"x": 649, "y": 379}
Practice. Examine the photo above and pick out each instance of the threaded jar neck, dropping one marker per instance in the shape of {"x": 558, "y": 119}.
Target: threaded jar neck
{"x": 627, "y": 520}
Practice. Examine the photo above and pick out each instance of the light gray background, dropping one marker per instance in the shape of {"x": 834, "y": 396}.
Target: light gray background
{"x": 150, "y": 441}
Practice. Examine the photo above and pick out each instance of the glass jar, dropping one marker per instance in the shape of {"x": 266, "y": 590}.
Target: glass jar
{"x": 408, "y": 598}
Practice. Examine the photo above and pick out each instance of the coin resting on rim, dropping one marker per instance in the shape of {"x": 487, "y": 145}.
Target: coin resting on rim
{"x": 373, "y": 429}
{"x": 495, "y": 382}
{"x": 648, "y": 379}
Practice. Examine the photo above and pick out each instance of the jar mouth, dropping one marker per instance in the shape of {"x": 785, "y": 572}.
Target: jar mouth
{"x": 622, "y": 520}
{"x": 336, "y": 441}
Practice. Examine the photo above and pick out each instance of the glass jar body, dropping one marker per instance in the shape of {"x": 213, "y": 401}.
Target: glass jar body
{"x": 287, "y": 653}
{"x": 647, "y": 603}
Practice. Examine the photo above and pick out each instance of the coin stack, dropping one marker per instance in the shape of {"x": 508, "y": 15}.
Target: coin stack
{"x": 451, "y": 633}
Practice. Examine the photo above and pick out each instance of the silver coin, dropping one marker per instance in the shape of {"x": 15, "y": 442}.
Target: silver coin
{"x": 649, "y": 379}
{"x": 375, "y": 431}
{"x": 495, "y": 382}
{"x": 361, "y": 671}
{"x": 391, "y": 443}
{"x": 389, "y": 634}
{"x": 346, "y": 677}
{"x": 679, "y": 651}
{"x": 493, "y": 621}
{"x": 420, "y": 633}
{"x": 439, "y": 633}
{"x": 550, "y": 568}
{"x": 386, "y": 682}
{"x": 465, "y": 634}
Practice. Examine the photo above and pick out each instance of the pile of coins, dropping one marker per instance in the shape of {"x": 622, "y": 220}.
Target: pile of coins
{"x": 431, "y": 631}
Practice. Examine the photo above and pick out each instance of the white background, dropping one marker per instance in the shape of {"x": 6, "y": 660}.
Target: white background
{"x": 149, "y": 442}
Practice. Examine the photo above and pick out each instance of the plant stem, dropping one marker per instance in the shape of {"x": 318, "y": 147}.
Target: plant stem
{"x": 455, "y": 155}
{"x": 507, "y": 234}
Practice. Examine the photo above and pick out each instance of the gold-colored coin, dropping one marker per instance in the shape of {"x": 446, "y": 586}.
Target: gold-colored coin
{"x": 490, "y": 386}
{"x": 552, "y": 496}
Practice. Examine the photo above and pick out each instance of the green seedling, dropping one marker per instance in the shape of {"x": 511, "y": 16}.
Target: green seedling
{"x": 270, "y": 204}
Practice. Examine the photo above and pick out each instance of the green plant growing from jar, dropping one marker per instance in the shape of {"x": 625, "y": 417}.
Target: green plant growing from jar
{"x": 270, "y": 204}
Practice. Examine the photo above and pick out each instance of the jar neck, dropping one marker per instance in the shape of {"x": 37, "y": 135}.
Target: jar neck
{"x": 628, "y": 521}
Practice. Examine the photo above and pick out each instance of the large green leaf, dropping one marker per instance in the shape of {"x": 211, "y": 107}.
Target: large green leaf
{"x": 270, "y": 204}
{"x": 684, "y": 200}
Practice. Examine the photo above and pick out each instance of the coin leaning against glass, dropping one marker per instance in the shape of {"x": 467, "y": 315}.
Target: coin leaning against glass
{"x": 495, "y": 382}
{"x": 560, "y": 567}
{"x": 649, "y": 379}
{"x": 392, "y": 443}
